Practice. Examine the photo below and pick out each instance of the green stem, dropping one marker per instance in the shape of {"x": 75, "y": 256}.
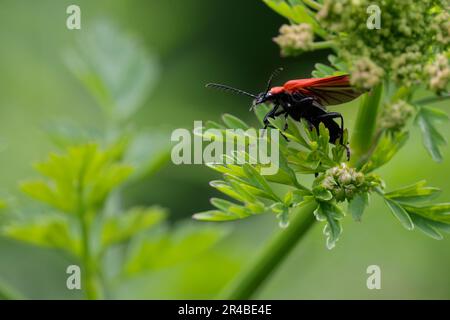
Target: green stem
{"x": 366, "y": 121}
{"x": 89, "y": 273}
{"x": 365, "y": 157}
{"x": 319, "y": 45}
{"x": 258, "y": 271}
{"x": 312, "y": 4}
{"x": 433, "y": 99}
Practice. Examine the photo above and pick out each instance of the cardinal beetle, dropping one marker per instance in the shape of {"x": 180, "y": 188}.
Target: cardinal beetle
{"x": 305, "y": 99}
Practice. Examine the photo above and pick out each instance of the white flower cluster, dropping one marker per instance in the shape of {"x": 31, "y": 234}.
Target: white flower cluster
{"x": 294, "y": 38}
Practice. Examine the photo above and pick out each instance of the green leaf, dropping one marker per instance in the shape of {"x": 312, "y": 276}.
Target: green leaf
{"x": 386, "y": 149}
{"x": 365, "y": 126}
{"x": 260, "y": 111}
{"x": 120, "y": 228}
{"x": 66, "y": 133}
{"x": 357, "y": 205}
{"x": 147, "y": 153}
{"x": 283, "y": 9}
{"x": 400, "y": 213}
{"x": 114, "y": 67}
{"x": 233, "y": 122}
{"x": 425, "y": 226}
{"x": 285, "y": 174}
{"x": 258, "y": 181}
{"x": 322, "y": 194}
{"x": 227, "y": 189}
{"x": 296, "y": 13}
{"x": 439, "y": 212}
{"x": 332, "y": 214}
{"x": 432, "y": 138}
{"x": 413, "y": 193}
{"x": 282, "y": 216}
{"x": 322, "y": 70}
{"x": 214, "y": 125}
{"x": 172, "y": 247}
{"x": 216, "y": 216}
{"x": 82, "y": 175}
{"x": 338, "y": 63}
{"x": 43, "y": 192}
{"x": 47, "y": 231}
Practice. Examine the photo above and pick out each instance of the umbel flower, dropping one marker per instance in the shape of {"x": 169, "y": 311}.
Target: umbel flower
{"x": 395, "y": 116}
{"x": 439, "y": 73}
{"x": 441, "y": 26}
{"x": 402, "y": 46}
{"x": 412, "y": 34}
{"x": 294, "y": 38}
{"x": 344, "y": 182}
{"x": 366, "y": 73}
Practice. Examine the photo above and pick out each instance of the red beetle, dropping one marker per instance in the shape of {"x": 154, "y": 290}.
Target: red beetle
{"x": 305, "y": 99}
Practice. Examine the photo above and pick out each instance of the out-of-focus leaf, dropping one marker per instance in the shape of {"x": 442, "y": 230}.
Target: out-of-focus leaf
{"x": 114, "y": 67}
{"x": 432, "y": 138}
{"x": 296, "y": 13}
{"x": 337, "y": 67}
{"x": 338, "y": 63}
{"x": 385, "y": 150}
{"x": 84, "y": 174}
{"x": 65, "y": 133}
{"x": 121, "y": 228}
{"x": 322, "y": 70}
{"x": 47, "y": 231}
{"x": 233, "y": 122}
{"x": 184, "y": 243}
{"x": 147, "y": 153}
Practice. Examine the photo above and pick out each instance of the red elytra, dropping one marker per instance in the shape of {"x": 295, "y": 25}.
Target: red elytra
{"x": 327, "y": 91}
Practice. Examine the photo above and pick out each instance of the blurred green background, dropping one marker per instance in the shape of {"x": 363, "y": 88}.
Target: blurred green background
{"x": 196, "y": 42}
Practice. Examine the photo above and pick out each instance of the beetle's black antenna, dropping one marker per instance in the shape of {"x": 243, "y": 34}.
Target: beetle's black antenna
{"x": 230, "y": 89}
{"x": 272, "y": 76}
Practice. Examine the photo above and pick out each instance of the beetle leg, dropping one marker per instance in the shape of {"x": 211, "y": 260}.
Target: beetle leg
{"x": 270, "y": 114}
{"x": 307, "y": 100}
{"x": 299, "y": 98}
{"x": 334, "y": 115}
{"x": 285, "y": 123}
{"x": 279, "y": 113}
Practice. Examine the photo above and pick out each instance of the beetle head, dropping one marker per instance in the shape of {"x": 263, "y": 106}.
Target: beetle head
{"x": 262, "y": 98}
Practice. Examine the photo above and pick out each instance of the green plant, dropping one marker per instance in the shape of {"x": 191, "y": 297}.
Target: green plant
{"x": 78, "y": 206}
{"x": 392, "y": 63}
{"x": 74, "y": 218}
